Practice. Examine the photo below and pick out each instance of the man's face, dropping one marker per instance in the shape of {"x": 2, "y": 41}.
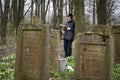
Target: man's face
{"x": 69, "y": 18}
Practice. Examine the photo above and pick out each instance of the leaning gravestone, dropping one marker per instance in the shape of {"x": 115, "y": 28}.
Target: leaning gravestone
{"x": 53, "y": 55}
{"x": 55, "y": 61}
{"x": 116, "y": 33}
{"x": 94, "y": 57}
{"x": 31, "y": 53}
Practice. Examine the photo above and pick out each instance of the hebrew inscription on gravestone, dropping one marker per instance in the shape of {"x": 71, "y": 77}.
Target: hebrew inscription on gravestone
{"x": 31, "y": 55}
{"x": 30, "y": 52}
{"x": 92, "y": 57}
{"x": 94, "y": 60}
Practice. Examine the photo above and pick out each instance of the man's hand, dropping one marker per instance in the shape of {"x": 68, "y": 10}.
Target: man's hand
{"x": 68, "y": 28}
{"x": 62, "y": 31}
{"x": 62, "y": 25}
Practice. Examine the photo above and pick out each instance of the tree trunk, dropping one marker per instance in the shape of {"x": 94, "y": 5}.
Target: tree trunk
{"x": 1, "y": 13}
{"x": 60, "y": 15}
{"x": 54, "y": 14}
{"x": 101, "y": 12}
{"x": 110, "y": 10}
{"x": 60, "y": 12}
{"x": 43, "y": 11}
{"x": 31, "y": 15}
{"x": 79, "y": 15}
{"x": 4, "y": 21}
{"x": 66, "y": 8}
{"x": 47, "y": 7}
{"x": 36, "y": 8}
{"x": 94, "y": 12}
{"x": 70, "y": 6}
{"x": 18, "y": 10}
{"x": 15, "y": 13}
{"x": 39, "y": 10}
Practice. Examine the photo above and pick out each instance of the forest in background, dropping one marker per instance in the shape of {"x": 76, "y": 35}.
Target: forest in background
{"x": 53, "y": 13}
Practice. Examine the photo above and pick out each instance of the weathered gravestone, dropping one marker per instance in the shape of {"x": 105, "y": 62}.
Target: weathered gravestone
{"x": 53, "y": 55}
{"x": 56, "y": 63}
{"x": 94, "y": 57}
{"x": 116, "y": 33}
{"x": 31, "y": 56}
{"x": 96, "y": 29}
{"x": 104, "y": 29}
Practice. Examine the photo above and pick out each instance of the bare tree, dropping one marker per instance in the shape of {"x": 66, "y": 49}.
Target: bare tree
{"x": 94, "y": 12}
{"x": 60, "y": 15}
{"x": 32, "y": 2}
{"x": 43, "y": 10}
{"x": 70, "y": 6}
{"x": 79, "y": 15}
{"x": 4, "y": 19}
{"x": 54, "y": 13}
{"x": 1, "y": 11}
{"x": 111, "y": 7}
{"x": 102, "y": 12}
{"x": 18, "y": 12}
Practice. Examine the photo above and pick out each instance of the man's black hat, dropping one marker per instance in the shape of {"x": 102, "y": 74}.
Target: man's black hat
{"x": 70, "y": 15}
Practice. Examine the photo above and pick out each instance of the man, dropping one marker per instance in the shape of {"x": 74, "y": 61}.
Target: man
{"x": 68, "y": 35}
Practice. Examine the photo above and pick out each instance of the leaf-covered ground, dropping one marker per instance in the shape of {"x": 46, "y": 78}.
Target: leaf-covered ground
{"x": 7, "y": 65}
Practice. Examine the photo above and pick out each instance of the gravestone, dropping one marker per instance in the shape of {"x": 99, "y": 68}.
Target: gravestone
{"x": 104, "y": 29}
{"x": 62, "y": 64}
{"x": 31, "y": 56}
{"x": 94, "y": 57}
{"x": 116, "y": 33}
{"x": 96, "y": 29}
{"x": 53, "y": 56}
